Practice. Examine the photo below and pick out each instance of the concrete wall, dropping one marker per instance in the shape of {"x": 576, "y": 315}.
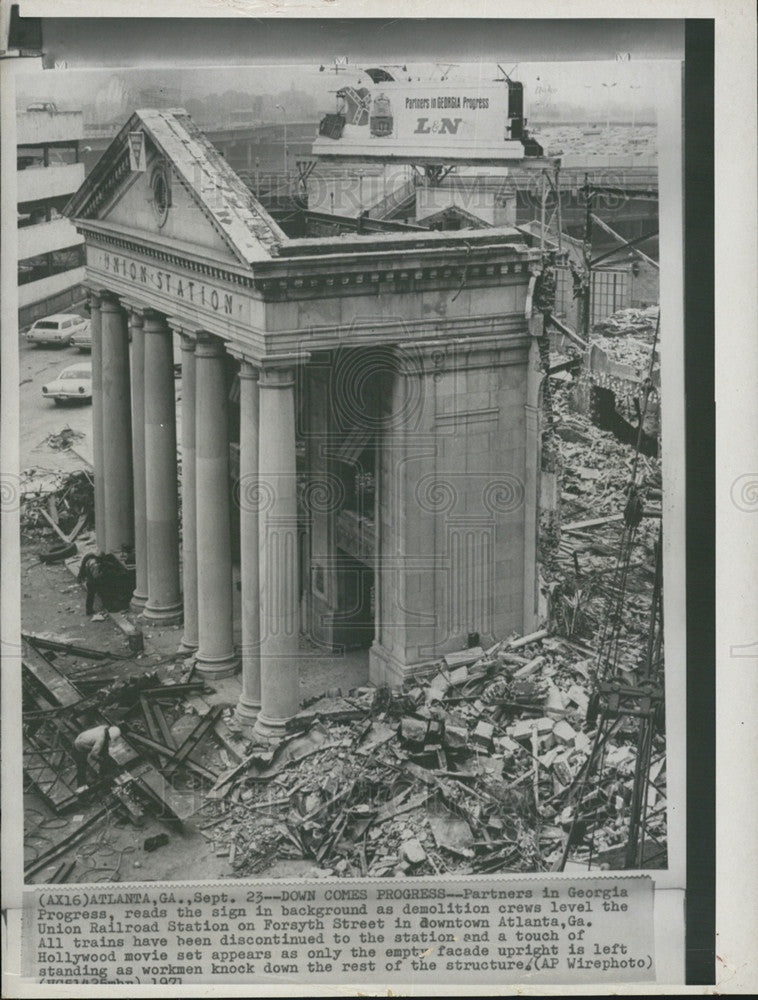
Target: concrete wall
{"x": 420, "y": 309}
{"x": 48, "y": 288}
{"x": 36, "y": 127}
{"x": 451, "y": 514}
{"x": 37, "y": 183}
{"x": 46, "y": 237}
{"x": 644, "y": 287}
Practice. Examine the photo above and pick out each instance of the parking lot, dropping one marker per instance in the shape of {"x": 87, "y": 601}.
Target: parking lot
{"x": 41, "y": 418}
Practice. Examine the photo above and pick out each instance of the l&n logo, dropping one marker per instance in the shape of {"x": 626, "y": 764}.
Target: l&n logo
{"x": 440, "y": 126}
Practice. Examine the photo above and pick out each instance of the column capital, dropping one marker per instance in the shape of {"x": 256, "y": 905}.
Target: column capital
{"x": 136, "y": 310}
{"x": 96, "y": 292}
{"x": 179, "y": 326}
{"x": 207, "y": 345}
{"x": 279, "y": 372}
{"x": 248, "y": 370}
{"x": 235, "y": 351}
{"x": 154, "y": 322}
{"x": 110, "y": 302}
{"x": 187, "y": 341}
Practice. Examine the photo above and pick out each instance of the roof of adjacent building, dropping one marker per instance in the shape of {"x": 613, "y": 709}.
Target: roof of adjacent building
{"x": 234, "y": 210}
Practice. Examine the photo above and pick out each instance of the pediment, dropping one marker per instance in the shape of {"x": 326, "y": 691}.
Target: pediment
{"x": 169, "y": 214}
{"x": 201, "y": 201}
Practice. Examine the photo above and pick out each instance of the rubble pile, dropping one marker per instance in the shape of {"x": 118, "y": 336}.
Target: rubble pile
{"x": 638, "y": 322}
{"x": 631, "y": 351}
{"x": 474, "y": 769}
{"x": 66, "y": 497}
{"x": 596, "y": 472}
{"x": 64, "y": 439}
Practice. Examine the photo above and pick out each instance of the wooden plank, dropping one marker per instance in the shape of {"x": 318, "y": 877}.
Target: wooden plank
{"x": 53, "y": 525}
{"x": 235, "y": 747}
{"x": 194, "y": 738}
{"x": 593, "y": 523}
{"x": 165, "y": 752}
{"x": 60, "y": 689}
{"x": 178, "y": 806}
{"x": 62, "y": 645}
{"x": 62, "y": 846}
{"x": 526, "y": 639}
{"x": 77, "y": 528}
{"x": 152, "y": 725}
{"x": 160, "y": 718}
{"x": 173, "y": 690}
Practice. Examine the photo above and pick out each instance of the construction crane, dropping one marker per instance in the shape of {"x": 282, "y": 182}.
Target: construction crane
{"x": 617, "y": 702}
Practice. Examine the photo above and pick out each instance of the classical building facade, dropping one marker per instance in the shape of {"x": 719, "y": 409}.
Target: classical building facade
{"x": 358, "y": 430}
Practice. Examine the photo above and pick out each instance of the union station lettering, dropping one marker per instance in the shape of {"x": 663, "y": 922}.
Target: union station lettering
{"x": 192, "y": 291}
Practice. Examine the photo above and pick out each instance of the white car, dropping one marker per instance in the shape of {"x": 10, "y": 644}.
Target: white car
{"x": 82, "y": 339}
{"x": 57, "y": 329}
{"x": 74, "y": 382}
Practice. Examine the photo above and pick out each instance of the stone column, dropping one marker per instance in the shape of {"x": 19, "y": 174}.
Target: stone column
{"x": 215, "y": 653}
{"x": 139, "y": 597}
{"x": 249, "y": 703}
{"x": 164, "y": 599}
{"x": 189, "y": 497}
{"x": 97, "y": 418}
{"x": 117, "y": 432}
{"x": 280, "y": 662}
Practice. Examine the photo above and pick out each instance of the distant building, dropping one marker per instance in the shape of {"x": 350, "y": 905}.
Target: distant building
{"x": 159, "y": 97}
{"x": 50, "y": 251}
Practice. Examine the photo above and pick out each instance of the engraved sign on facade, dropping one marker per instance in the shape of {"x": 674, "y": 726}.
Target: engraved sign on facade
{"x": 180, "y": 287}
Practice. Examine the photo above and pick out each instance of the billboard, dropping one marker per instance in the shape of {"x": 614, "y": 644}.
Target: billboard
{"x": 442, "y": 121}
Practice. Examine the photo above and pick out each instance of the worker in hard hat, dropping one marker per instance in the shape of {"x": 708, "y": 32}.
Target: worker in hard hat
{"x": 91, "y": 747}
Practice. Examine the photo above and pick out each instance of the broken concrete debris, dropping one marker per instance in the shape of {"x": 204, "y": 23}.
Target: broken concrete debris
{"x": 384, "y": 783}
{"x": 410, "y": 785}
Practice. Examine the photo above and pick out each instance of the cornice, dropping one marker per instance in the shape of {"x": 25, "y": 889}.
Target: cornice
{"x": 360, "y": 274}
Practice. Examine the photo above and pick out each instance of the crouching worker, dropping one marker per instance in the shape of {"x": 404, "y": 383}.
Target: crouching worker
{"x": 105, "y": 577}
{"x": 92, "y": 748}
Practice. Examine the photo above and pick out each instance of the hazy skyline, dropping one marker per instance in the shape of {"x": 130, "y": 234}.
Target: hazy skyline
{"x": 597, "y": 87}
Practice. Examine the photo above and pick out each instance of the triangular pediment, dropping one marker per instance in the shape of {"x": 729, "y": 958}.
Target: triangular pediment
{"x": 185, "y": 193}
{"x": 135, "y": 206}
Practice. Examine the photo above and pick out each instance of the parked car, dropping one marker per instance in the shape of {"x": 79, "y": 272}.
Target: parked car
{"x": 48, "y": 106}
{"x": 82, "y": 339}
{"x": 56, "y": 329}
{"x": 74, "y": 382}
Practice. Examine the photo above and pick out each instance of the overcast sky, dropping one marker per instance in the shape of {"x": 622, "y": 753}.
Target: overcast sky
{"x": 580, "y": 83}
